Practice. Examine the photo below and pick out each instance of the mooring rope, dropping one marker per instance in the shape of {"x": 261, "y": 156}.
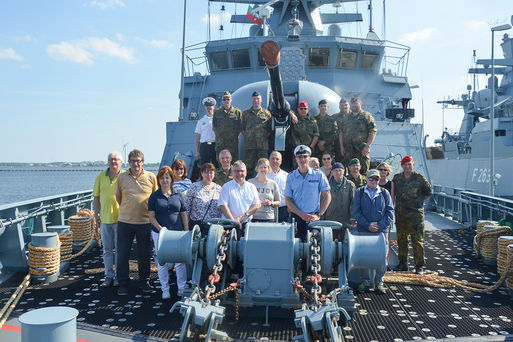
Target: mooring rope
{"x": 13, "y": 300}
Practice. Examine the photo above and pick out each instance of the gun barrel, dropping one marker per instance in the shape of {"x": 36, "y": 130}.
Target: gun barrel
{"x": 270, "y": 51}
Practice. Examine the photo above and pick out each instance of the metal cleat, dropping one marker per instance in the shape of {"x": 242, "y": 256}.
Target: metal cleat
{"x": 320, "y": 324}
{"x": 200, "y": 319}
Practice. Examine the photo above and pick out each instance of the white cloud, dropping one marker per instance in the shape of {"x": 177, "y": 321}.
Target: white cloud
{"x": 85, "y": 51}
{"x": 10, "y": 54}
{"x": 72, "y": 52}
{"x": 215, "y": 19}
{"x": 161, "y": 44}
{"x": 421, "y": 35}
{"x": 106, "y": 4}
{"x": 110, "y": 48}
{"x": 476, "y": 25}
{"x": 25, "y": 38}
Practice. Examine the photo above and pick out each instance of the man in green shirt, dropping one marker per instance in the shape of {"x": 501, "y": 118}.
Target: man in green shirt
{"x": 224, "y": 172}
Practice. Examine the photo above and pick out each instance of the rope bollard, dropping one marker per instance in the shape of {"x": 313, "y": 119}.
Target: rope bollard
{"x": 502, "y": 254}
{"x": 485, "y": 242}
{"x": 482, "y": 223}
{"x": 44, "y": 256}
{"x": 509, "y": 277}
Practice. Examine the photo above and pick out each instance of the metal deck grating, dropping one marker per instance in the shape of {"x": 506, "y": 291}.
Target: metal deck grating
{"x": 404, "y": 313}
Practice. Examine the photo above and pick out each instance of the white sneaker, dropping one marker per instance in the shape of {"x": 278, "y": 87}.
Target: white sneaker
{"x": 166, "y": 294}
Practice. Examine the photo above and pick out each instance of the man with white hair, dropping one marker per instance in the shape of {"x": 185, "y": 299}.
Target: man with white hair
{"x": 106, "y": 210}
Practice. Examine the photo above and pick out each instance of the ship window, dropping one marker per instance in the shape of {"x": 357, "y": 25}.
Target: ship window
{"x": 368, "y": 60}
{"x": 260, "y": 59}
{"x": 219, "y": 60}
{"x": 240, "y": 58}
{"x": 318, "y": 57}
{"x": 346, "y": 59}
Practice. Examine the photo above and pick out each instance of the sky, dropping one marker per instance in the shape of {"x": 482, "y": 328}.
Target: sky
{"x": 81, "y": 78}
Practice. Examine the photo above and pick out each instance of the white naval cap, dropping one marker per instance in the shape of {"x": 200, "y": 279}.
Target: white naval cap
{"x": 209, "y": 101}
{"x": 302, "y": 150}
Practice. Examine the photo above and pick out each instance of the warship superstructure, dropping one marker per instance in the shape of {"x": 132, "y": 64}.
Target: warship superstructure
{"x": 468, "y": 151}
{"x": 315, "y": 64}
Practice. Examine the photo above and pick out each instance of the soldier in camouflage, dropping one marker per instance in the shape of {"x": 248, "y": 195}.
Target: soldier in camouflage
{"x": 227, "y": 126}
{"x": 355, "y": 176}
{"x": 328, "y": 131}
{"x": 256, "y": 128}
{"x": 304, "y": 132}
{"x": 409, "y": 190}
{"x": 358, "y": 132}
{"x": 224, "y": 172}
{"x": 343, "y": 105}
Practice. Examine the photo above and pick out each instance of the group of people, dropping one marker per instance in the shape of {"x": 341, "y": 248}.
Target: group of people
{"x": 345, "y": 135}
{"x": 136, "y": 203}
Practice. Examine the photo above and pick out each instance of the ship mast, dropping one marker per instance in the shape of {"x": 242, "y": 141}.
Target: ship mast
{"x": 182, "y": 77}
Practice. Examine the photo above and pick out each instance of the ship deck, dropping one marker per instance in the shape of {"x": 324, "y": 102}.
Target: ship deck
{"x": 405, "y": 312}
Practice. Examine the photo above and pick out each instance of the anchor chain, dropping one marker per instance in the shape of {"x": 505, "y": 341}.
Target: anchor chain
{"x": 218, "y": 267}
{"x": 316, "y": 278}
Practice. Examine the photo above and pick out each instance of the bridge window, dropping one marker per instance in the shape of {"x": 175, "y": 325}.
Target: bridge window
{"x": 319, "y": 57}
{"x": 240, "y": 59}
{"x": 260, "y": 59}
{"x": 219, "y": 60}
{"x": 368, "y": 60}
{"x": 346, "y": 59}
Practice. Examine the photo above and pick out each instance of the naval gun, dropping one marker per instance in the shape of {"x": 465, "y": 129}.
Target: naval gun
{"x": 280, "y": 108}
{"x": 274, "y": 269}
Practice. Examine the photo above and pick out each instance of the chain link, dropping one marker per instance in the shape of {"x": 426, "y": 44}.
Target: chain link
{"x": 315, "y": 258}
{"x": 218, "y": 267}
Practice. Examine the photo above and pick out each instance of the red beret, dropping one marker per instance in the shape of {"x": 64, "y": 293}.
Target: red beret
{"x": 302, "y": 104}
{"x": 406, "y": 159}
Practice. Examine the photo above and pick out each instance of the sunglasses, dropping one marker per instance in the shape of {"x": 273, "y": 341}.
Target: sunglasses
{"x": 303, "y": 108}
{"x": 226, "y": 99}
{"x": 382, "y": 170}
{"x": 374, "y": 179}
{"x": 326, "y": 158}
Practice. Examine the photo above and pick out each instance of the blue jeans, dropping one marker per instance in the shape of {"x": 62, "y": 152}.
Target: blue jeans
{"x": 126, "y": 233}
{"x": 109, "y": 235}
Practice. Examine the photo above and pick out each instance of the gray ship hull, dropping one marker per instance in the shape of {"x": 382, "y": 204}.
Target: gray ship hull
{"x": 472, "y": 174}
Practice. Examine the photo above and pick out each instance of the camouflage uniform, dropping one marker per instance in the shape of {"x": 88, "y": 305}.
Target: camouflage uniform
{"x": 338, "y": 119}
{"x": 409, "y": 214}
{"x": 303, "y": 132}
{"x": 223, "y": 176}
{"x": 357, "y": 182}
{"x": 257, "y": 127}
{"x": 328, "y": 132}
{"x": 355, "y": 131}
{"x": 227, "y": 126}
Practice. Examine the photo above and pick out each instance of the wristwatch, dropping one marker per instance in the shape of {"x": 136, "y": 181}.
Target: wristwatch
{"x": 247, "y": 214}
{"x": 318, "y": 214}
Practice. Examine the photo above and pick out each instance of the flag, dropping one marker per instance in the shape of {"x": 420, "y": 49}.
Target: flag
{"x": 253, "y": 16}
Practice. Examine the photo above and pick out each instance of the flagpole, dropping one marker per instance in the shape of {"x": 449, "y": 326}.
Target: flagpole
{"x": 180, "y": 115}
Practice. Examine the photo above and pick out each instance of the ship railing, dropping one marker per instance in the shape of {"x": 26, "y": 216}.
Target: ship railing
{"x": 34, "y": 215}
{"x": 468, "y": 207}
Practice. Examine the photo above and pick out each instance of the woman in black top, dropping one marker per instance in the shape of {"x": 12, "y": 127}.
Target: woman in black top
{"x": 164, "y": 208}
{"x": 384, "y": 171}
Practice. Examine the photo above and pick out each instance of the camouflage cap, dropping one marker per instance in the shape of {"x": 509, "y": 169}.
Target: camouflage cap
{"x": 227, "y": 94}
{"x": 354, "y": 161}
{"x": 302, "y": 150}
{"x": 372, "y": 173}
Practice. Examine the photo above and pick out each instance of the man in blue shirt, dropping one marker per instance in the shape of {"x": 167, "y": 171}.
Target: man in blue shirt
{"x": 307, "y": 193}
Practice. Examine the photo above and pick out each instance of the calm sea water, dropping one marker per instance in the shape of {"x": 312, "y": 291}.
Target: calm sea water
{"x": 26, "y": 184}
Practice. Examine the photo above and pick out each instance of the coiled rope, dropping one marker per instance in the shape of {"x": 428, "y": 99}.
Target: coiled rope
{"x": 485, "y": 242}
{"x": 44, "y": 260}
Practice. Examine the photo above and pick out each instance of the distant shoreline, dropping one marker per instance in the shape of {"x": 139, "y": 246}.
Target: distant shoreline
{"x": 86, "y": 166}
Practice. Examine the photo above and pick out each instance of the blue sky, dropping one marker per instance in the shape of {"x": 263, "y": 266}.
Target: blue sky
{"x": 81, "y": 78}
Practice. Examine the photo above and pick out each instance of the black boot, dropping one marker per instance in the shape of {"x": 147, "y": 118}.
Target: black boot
{"x": 403, "y": 266}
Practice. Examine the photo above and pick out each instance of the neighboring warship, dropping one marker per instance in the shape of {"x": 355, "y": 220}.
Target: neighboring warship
{"x": 468, "y": 151}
